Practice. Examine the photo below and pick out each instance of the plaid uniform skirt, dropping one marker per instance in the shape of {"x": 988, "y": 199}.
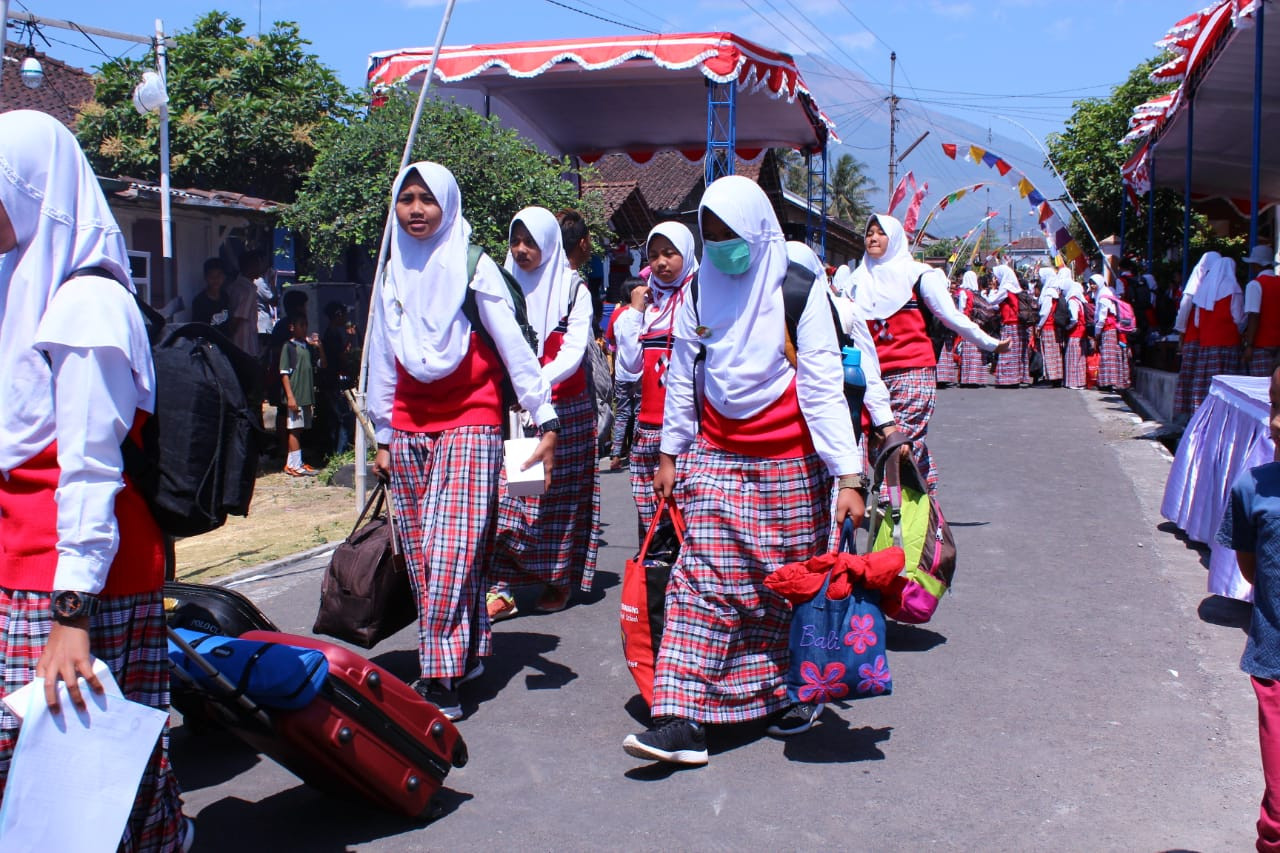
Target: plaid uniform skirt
{"x": 1186, "y": 376}
{"x": 913, "y": 394}
{"x": 948, "y": 370}
{"x": 973, "y": 370}
{"x": 1011, "y": 366}
{"x": 1262, "y": 362}
{"x": 445, "y": 488}
{"x": 724, "y": 652}
{"x": 1211, "y": 362}
{"x": 553, "y": 538}
{"x": 644, "y": 462}
{"x": 1113, "y": 361}
{"x": 1074, "y": 366}
{"x": 128, "y": 636}
{"x": 1051, "y": 352}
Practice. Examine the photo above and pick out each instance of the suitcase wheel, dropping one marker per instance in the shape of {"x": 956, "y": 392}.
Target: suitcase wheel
{"x": 460, "y": 756}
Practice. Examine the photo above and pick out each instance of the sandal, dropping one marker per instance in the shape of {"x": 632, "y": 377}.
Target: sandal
{"x": 501, "y": 605}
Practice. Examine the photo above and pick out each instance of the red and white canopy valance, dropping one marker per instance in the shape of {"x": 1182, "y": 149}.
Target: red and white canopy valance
{"x": 628, "y": 94}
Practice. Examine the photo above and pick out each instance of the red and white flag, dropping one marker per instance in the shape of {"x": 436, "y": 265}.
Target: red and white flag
{"x": 901, "y": 190}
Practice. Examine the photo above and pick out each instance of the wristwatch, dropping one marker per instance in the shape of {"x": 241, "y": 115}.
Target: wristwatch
{"x": 552, "y": 425}
{"x": 68, "y": 605}
{"x": 858, "y": 482}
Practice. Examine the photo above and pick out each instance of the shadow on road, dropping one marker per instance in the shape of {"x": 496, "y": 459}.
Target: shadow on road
{"x": 302, "y": 818}
{"x": 834, "y": 741}
{"x": 1227, "y": 612}
{"x": 900, "y": 637}
{"x": 1202, "y": 551}
{"x": 203, "y": 759}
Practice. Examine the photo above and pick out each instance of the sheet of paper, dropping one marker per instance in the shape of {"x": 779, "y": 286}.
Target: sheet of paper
{"x": 17, "y": 700}
{"x": 75, "y": 774}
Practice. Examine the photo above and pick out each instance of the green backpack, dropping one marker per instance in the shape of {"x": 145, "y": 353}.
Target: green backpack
{"x": 514, "y": 292}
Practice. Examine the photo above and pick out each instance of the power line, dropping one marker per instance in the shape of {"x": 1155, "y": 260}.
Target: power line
{"x": 624, "y": 21}
{"x": 601, "y": 17}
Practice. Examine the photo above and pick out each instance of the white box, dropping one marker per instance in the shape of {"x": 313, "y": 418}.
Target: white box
{"x": 522, "y": 484}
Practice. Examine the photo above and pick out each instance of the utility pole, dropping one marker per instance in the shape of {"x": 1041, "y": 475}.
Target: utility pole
{"x": 1008, "y": 226}
{"x": 4, "y": 37}
{"x": 893, "y": 125}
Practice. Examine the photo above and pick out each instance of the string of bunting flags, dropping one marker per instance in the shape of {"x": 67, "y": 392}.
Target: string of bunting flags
{"x": 1057, "y": 236}
{"x": 942, "y": 205}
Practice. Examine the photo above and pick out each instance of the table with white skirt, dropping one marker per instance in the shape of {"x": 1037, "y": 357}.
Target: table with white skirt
{"x": 1227, "y": 434}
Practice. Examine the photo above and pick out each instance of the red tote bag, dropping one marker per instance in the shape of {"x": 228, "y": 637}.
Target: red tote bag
{"x": 644, "y": 591}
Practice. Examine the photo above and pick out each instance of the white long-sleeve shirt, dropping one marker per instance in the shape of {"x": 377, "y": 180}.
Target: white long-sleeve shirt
{"x": 1046, "y": 309}
{"x": 876, "y": 398}
{"x": 819, "y": 387}
{"x": 934, "y": 292}
{"x": 628, "y": 360}
{"x": 1253, "y": 297}
{"x": 533, "y": 390}
{"x": 1184, "y": 312}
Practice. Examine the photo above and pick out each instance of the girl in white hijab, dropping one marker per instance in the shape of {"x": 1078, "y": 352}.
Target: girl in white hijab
{"x": 1047, "y": 334}
{"x": 762, "y": 454}
{"x": 77, "y": 375}
{"x": 551, "y": 538}
{"x": 1113, "y": 357}
{"x": 973, "y": 370}
{"x": 1011, "y": 366}
{"x": 673, "y": 262}
{"x": 889, "y": 288}
{"x": 1185, "y": 323}
{"x": 441, "y": 343}
{"x": 1073, "y": 356}
{"x": 1219, "y": 316}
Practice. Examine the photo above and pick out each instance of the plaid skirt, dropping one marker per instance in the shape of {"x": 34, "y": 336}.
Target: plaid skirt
{"x": 1113, "y": 361}
{"x": 1051, "y": 352}
{"x": 128, "y": 636}
{"x": 1262, "y": 362}
{"x": 724, "y": 652}
{"x": 1011, "y": 366}
{"x": 973, "y": 370}
{"x": 445, "y": 489}
{"x": 1186, "y": 376}
{"x": 644, "y": 462}
{"x": 913, "y": 394}
{"x": 553, "y": 538}
{"x": 1074, "y": 366}
{"x": 1211, "y": 362}
{"x": 948, "y": 369}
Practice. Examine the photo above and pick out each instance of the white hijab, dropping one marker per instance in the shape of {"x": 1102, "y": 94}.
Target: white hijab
{"x": 1104, "y": 291}
{"x": 742, "y": 316}
{"x": 1048, "y": 283}
{"x": 426, "y": 284}
{"x": 1219, "y": 282}
{"x": 1203, "y": 268}
{"x": 1068, "y": 286}
{"x": 805, "y": 256}
{"x": 1007, "y": 279}
{"x": 62, "y": 223}
{"x": 881, "y": 287}
{"x": 969, "y": 281}
{"x": 547, "y": 289}
{"x": 682, "y": 238}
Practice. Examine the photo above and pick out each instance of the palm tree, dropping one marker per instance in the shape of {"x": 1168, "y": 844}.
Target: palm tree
{"x": 849, "y": 186}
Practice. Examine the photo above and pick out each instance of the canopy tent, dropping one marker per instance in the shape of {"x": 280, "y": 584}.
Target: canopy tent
{"x": 1215, "y": 59}
{"x": 589, "y": 97}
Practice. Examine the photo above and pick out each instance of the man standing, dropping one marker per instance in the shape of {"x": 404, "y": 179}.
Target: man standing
{"x": 243, "y": 296}
{"x": 1261, "y": 337}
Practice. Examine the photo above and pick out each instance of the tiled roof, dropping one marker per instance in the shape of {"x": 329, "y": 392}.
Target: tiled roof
{"x": 135, "y": 189}
{"x": 668, "y": 182}
{"x": 63, "y": 90}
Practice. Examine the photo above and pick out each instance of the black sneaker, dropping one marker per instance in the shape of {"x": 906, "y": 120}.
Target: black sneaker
{"x": 671, "y": 739}
{"x": 799, "y": 718}
{"x": 444, "y": 698}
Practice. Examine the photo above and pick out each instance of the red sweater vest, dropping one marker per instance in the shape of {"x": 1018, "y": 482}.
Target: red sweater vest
{"x": 656, "y": 347}
{"x": 778, "y": 432}
{"x": 1009, "y": 310}
{"x": 1192, "y": 334}
{"x": 29, "y": 531}
{"x": 1217, "y": 327}
{"x": 1268, "y": 336}
{"x": 470, "y": 396}
{"x": 1078, "y": 330}
{"x": 902, "y": 341}
{"x": 576, "y": 384}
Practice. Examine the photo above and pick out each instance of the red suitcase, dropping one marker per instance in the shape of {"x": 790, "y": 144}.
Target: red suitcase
{"x": 367, "y": 733}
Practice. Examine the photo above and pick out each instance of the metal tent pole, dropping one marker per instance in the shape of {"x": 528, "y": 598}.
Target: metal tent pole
{"x": 1256, "y": 164}
{"x": 1186, "y": 193}
{"x": 721, "y": 130}
{"x": 1151, "y": 211}
{"x": 4, "y": 37}
{"x": 1124, "y": 204}
{"x": 361, "y": 443}
{"x": 166, "y": 204}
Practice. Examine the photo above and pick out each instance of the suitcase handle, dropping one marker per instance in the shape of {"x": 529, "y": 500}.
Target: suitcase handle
{"x": 228, "y": 689}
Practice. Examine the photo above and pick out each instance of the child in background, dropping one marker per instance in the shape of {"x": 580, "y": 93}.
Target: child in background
{"x": 1251, "y": 527}
{"x": 297, "y": 376}
{"x": 626, "y": 379}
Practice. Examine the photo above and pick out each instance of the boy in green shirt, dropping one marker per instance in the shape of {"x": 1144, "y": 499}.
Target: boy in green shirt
{"x": 297, "y": 376}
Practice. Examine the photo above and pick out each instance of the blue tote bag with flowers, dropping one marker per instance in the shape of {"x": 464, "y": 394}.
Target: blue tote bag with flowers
{"x": 838, "y": 646}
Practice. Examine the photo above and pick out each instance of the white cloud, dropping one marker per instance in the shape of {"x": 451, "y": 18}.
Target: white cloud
{"x": 857, "y": 41}
{"x": 953, "y": 10}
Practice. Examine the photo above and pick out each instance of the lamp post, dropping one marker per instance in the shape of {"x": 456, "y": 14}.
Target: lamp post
{"x": 4, "y": 40}
{"x": 152, "y": 95}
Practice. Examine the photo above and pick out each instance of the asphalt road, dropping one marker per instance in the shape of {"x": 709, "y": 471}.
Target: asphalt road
{"x": 1077, "y": 691}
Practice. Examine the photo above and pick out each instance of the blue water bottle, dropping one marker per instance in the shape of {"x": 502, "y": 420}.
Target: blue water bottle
{"x": 853, "y": 368}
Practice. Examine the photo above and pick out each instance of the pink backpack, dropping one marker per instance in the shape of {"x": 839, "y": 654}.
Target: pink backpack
{"x": 1125, "y": 320}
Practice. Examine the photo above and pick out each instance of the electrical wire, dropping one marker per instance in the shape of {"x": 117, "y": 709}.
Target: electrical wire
{"x": 601, "y": 17}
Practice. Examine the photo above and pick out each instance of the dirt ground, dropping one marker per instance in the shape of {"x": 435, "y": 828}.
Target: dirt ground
{"x": 287, "y": 515}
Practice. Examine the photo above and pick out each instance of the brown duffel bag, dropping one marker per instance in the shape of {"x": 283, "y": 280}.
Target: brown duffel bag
{"x": 366, "y": 595}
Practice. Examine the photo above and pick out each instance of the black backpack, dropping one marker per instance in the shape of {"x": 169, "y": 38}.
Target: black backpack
{"x": 1028, "y": 310}
{"x": 1062, "y": 317}
{"x": 199, "y": 453}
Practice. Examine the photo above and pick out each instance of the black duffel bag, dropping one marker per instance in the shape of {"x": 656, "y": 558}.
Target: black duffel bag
{"x": 366, "y": 595}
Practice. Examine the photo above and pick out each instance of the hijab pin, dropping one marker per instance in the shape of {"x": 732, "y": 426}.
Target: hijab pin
{"x": 702, "y": 332}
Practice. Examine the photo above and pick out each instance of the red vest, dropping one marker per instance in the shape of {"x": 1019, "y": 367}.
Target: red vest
{"x": 1078, "y": 330}
{"x": 1192, "y": 334}
{"x": 656, "y": 348}
{"x": 29, "y": 531}
{"x": 470, "y": 396}
{"x": 1047, "y": 325}
{"x": 778, "y": 432}
{"x": 575, "y": 385}
{"x": 1110, "y": 322}
{"x": 1268, "y": 336}
{"x": 902, "y": 341}
{"x": 1217, "y": 327}
{"x": 1009, "y": 310}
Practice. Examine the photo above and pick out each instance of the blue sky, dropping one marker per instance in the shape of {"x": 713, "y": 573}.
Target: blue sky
{"x": 961, "y": 63}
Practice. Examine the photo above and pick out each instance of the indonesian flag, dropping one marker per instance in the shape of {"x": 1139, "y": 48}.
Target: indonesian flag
{"x": 913, "y": 211}
{"x": 901, "y": 190}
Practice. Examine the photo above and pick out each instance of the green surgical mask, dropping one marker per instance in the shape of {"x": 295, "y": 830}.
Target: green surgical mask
{"x": 731, "y": 257}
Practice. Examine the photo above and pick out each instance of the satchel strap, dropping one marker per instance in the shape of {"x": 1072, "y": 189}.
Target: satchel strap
{"x": 372, "y": 507}
{"x": 667, "y": 505}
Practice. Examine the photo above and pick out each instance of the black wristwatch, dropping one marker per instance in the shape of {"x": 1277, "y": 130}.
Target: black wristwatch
{"x": 552, "y": 425}
{"x": 69, "y": 606}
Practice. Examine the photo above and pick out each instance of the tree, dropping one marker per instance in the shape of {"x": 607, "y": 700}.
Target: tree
{"x": 345, "y": 197}
{"x": 848, "y": 188}
{"x": 245, "y": 112}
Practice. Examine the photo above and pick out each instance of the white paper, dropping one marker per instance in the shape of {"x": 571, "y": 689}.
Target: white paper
{"x": 522, "y": 484}
{"x": 75, "y": 774}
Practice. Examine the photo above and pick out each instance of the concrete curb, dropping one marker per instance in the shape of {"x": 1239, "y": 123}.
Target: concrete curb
{"x": 275, "y": 565}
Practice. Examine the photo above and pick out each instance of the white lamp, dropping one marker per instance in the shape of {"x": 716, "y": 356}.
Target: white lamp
{"x": 31, "y": 72}
{"x": 150, "y": 94}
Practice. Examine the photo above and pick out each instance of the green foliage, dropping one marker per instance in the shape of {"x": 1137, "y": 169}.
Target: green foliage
{"x": 345, "y": 197}
{"x": 1089, "y": 155}
{"x": 244, "y": 113}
